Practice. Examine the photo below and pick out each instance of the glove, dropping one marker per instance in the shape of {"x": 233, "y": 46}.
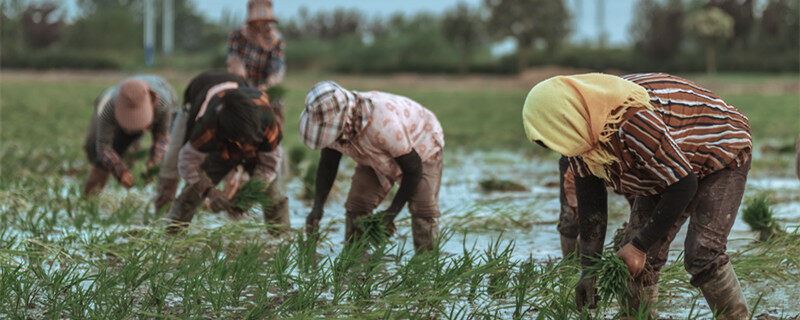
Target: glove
{"x": 312, "y": 221}
{"x": 586, "y": 292}
{"x": 126, "y": 179}
{"x": 633, "y": 258}
{"x": 165, "y": 192}
{"x": 218, "y": 201}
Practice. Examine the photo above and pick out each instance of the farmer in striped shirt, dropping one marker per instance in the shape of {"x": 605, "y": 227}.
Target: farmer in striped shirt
{"x": 679, "y": 149}
{"x": 225, "y": 124}
{"x": 122, "y": 113}
{"x": 391, "y": 138}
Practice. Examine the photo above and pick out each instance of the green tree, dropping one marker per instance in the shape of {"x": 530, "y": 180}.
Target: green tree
{"x": 529, "y": 21}
{"x": 464, "y": 29}
{"x": 780, "y": 25}
{"x": 711, "y": 27}
{"x": 656, "y": 29}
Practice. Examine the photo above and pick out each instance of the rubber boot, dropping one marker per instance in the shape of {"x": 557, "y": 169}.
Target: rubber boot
{"x": 182, "y": 211}
{"x": 277, "y": 216}
{"x": 642, "y": 302}
{"x": 425, "y": 231}
{"x": 568, "y": 246}
{"x": 96, "y": 181}
{"x": 724, "y": 295}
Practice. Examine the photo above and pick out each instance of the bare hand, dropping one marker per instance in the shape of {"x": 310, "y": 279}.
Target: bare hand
{"x": 633, "y": 258}
{"x": 312, "y": 222}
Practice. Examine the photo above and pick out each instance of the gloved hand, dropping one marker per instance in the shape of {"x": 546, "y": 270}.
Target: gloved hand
{"x": 312, "y": 221}
{"x": 165, "y": 192}
{"x": 586, "y": 292}
{"x": 126, "y": 179}
{"x": 633, "y": 258}
{"x": 218, "y": 201}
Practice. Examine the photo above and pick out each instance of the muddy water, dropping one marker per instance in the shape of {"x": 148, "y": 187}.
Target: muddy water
{"x": 529, "y": 218}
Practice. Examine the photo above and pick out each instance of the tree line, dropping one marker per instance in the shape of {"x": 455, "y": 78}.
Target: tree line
{"x": 669, "y": 35}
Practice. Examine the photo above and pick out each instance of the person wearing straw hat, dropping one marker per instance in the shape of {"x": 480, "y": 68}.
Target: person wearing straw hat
{"x": 255, "y": 51}
{"x": 225, "y": 124}
{"x": 391, "y": 138}
{"x": 122, "y": 113}
{"x": 682, "y": 151}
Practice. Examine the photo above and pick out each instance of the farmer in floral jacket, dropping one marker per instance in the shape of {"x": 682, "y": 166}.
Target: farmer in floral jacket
{"x": 225, "y": 124}
{"x": 391, "y": 138}
{"x": 678, "y": 148}
{"x": 122, "y": 114}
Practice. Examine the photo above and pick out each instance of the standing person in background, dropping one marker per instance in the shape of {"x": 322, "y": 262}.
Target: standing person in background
{"x": 121, "y": 115}
{"x": 255, "y": 52}
{"x": 391, "y": 138}
{"x": 680, "y": 149}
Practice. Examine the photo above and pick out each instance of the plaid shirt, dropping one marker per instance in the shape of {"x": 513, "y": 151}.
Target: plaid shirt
{"x": 263, "y": 66}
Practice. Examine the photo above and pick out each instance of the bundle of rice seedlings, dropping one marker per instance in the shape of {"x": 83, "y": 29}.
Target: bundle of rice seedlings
{"x": 758, "y": 215}
{"x": 373, "y": 228}
{"x": 493, "y": 184}
{"x": 612, "y": 277}
{"x": 251, "y": 194}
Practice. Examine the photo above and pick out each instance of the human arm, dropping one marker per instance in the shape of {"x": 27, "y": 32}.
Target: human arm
{"x": 326, "y": 175}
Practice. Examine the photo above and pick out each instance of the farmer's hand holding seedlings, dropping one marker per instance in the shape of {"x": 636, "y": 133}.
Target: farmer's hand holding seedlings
{"x": 635, "y": 135}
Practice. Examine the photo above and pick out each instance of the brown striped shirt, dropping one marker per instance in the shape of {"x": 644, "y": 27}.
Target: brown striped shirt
{"x": 690, "y": 130}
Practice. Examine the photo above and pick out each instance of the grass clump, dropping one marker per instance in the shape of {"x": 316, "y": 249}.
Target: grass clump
{"x": 494, "y": 184}
{"x": 309, "y": 182}
{"x": 251, "y": 194}
{"x": 758, "y": 215}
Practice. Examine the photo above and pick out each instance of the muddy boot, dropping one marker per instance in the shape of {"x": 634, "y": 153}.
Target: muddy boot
{"x": 424, "y": 231}
{"x": 352, "y": 231}
{"x": 183, "y": 209}
{"x": 96, "y": 181}
{"x": 724, "y": 295}
{"x": 276, "y": 216}
{"x": 568, "y": 246}
{"x": 642, "y": 302}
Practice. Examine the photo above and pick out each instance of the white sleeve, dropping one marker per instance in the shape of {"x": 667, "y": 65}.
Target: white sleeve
{"x": 189, "y": 161}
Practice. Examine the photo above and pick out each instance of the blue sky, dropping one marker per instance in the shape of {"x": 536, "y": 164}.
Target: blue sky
{"x": 618, "y": 13}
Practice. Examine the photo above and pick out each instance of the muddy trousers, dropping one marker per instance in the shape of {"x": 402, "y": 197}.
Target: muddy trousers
{"x": 276, "y": 215}
{"x": 711, "y": 215}
{"x": 366, "y": 193}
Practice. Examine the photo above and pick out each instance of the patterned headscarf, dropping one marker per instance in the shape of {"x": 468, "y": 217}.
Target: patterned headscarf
{"x": 332, "y": 113}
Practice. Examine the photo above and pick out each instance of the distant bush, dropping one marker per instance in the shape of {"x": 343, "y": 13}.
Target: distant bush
{"x": 59, "y": 59}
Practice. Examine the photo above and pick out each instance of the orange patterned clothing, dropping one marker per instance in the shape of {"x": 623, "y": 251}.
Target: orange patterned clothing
{"x": 396, "y": 126}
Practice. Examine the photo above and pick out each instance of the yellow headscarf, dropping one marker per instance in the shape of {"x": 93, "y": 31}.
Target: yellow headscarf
{"x": 572, "y": 114}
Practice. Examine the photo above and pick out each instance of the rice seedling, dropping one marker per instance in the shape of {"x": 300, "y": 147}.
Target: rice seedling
{"x": 613, "y": 277}
{"x": 758, "y": 215}
{"x": 500, "y": 185}
{"x": 251, "y": 194}
{"x": 309, "y": 181}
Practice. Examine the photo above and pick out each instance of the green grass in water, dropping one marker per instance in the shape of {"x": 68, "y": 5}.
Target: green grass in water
{"x": 493, "y": 184}
{"x": 251, "y": 194}
{"x": 758, "y": 215}
{"x": 612, "y": 277}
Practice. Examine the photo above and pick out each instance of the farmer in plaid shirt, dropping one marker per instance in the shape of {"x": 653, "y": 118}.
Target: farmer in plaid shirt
{"x": 255, "y": 52}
